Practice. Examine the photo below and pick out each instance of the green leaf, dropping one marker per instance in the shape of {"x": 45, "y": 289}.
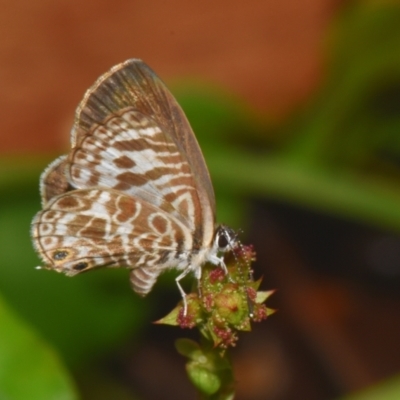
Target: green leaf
{"x": 29, "y": 369}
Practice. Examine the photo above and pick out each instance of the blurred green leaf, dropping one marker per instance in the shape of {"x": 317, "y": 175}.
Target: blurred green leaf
{"x": 356, "y": 114}
{"x": 28, "y": 368}
{"x": 350, "y": 195}
{"x": 388, "y": 390}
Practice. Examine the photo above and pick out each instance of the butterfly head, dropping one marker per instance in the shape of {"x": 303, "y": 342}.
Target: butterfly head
{"x": 225, "y": 239}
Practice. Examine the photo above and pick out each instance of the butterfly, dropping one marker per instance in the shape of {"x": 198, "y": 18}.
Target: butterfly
{"x": 134, "y": 190}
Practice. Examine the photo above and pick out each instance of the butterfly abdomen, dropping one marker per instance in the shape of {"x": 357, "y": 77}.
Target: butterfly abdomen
{"x": 143, "y": 279}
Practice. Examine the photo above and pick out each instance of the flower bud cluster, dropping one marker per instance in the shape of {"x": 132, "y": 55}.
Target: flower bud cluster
{"x": 224, "y": 304}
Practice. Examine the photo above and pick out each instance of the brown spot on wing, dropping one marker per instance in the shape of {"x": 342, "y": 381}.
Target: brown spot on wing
{"x": 124, "y": 162}
{"x": 127, "y": 208}
{"x": 94, "y": 179}
{"x": 80, "y": 155}
{"x": 68, "y": 202}
{"x": 132, "y": 144}
{"x": 160, "y": 224}
{"x": 47, "y": 227}
{"x": 129, "y": 179}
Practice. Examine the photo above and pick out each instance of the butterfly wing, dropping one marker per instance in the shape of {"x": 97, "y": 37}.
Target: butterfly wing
{"x": 91, "y": 228}
{"x": 130, "y": 153}
{"x": 53, "y": 180}
{"x": 134, "y": 84}
{"x": 131, "y": 104}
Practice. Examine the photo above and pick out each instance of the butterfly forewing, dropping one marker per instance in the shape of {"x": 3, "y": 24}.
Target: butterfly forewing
{"x": 134, "y": 84}
{"x": 130, "y": 153}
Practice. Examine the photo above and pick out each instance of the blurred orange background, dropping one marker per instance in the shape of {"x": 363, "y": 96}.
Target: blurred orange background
{"x": 269, "y": 53}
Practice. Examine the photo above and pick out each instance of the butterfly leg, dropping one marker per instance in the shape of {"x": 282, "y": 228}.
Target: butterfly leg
{"x": 223, "y": 266}
{"x": 183, "y": 294}
{"x": 220, "y": 261}
{"x": 197, "y": 273}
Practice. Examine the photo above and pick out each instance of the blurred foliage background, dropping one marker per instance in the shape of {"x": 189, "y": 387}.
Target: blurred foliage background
{"x": 306, "y": 161}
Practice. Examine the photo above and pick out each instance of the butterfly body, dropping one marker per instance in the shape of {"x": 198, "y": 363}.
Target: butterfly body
{"x": 134, "y": 190}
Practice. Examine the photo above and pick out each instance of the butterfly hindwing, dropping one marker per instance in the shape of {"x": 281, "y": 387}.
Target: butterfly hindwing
{"x": 91, "y": 228}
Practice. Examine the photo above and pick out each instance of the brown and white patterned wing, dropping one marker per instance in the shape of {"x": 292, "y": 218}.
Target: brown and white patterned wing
{"x": 130, "y": 153}
{"x": 53, "y": 180}
{"x": 134, "y": 84}
{"x": 91, "y": 228}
